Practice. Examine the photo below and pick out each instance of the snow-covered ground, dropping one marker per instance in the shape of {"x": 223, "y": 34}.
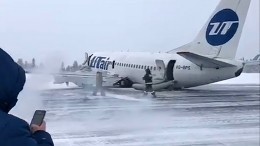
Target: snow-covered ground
{"x": 244, "y": 78}
{"x": 188, "y": 117}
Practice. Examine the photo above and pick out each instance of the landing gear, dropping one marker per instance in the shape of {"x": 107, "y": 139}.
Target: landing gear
{"x": 152, "y": 93}
{"x": 124, "y": 83}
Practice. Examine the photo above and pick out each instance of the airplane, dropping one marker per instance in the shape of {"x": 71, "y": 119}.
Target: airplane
{"x": 252, "y": 65}
{"x": 254, "y": 61}
{"x": 256, "y": 58}
{"x": 209, "y": 58}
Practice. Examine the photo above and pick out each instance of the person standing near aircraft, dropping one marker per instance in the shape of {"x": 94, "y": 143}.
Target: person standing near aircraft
{"x": 148, "y": 78}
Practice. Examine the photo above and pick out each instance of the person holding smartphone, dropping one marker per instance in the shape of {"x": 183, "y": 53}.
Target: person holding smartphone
{"x": 13, "y": 130}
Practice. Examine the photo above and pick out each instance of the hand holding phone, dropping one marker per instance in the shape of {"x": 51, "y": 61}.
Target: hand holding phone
{"x": 38, "y": 117}
{"x": 37, "y": 122}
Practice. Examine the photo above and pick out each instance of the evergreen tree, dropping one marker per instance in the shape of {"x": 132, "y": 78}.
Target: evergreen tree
{"x": 20, "y": 62}
{"x": 33, "y": 63}
{"x": 62, "y": 66}
{"x": 68, "y": 68}
{"x": 26, "y": 64}
{"x": 75, "y": 66}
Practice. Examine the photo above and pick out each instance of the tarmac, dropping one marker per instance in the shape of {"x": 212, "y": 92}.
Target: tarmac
{"x": 215, "y": 115}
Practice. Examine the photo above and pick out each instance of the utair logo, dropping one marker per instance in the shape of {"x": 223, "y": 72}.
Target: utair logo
{"x": 100, "y": 62}
{"x": 222, "y": 27}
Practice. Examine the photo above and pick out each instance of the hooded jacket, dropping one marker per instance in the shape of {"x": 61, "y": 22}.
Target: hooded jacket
{"x": 148, "y": 77}
{"x": 15, "y": 131}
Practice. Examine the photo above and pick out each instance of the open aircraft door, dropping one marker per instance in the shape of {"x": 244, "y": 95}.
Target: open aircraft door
{"x": 162, "y": 69}
{"x": 166, "y": 73}
{"x": 169, "y": 70}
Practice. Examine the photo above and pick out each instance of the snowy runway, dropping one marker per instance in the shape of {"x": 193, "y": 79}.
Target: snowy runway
{"x": 190, "y": 117}
{"x": 217, "y": 115}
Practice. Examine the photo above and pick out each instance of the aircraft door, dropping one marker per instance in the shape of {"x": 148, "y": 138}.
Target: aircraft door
{"x": 169, "y": 70}
{"x": 162, "y": 69}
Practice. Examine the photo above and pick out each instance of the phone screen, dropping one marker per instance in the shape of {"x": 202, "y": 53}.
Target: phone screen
{"x": 38, "y": 117}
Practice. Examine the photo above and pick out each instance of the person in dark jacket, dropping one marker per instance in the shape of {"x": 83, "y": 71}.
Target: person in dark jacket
{"x": 13, "y": 130}
{"x": 148, "y": 78}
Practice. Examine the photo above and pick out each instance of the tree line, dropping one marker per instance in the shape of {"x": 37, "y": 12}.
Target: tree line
{"x": 70, "y": 68}
{"x": 28, "y": 65}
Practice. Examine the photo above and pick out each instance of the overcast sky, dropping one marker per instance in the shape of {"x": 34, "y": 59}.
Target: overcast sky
{"x": 65, "y": 29}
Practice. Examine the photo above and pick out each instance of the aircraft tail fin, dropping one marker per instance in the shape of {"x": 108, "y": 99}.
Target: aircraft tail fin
{"x": 220, "y": 35}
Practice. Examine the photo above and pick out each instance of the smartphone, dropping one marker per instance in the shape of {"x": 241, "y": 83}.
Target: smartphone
{"x": 38, "y": 117}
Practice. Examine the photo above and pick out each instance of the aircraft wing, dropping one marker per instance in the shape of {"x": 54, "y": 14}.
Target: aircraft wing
{"x": 252, "y": 62}
{"x": 204, "y": 61}
{"x": 85, "y": 78}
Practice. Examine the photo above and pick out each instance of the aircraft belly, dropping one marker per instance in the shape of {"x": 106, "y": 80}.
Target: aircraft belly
{"x": 197, "y": 77}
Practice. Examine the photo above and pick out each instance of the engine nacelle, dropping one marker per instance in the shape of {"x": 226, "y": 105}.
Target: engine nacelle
{"x": 156, "y": 87}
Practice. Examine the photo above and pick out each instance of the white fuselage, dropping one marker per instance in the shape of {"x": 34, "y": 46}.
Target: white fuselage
{"x": 182, "y": 71}
{"x": 207, "y": 59}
